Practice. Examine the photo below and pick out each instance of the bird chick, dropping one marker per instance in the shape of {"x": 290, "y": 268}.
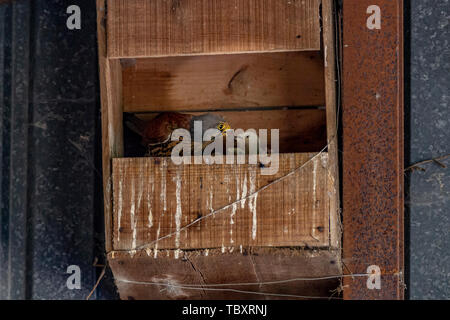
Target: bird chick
{"x": 156, "y": 134}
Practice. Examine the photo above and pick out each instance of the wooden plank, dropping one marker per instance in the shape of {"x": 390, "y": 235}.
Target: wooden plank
{"x": 301, "y": 130}
{"x": 149, "y": 28}
{"x": 136, "y": 275}
{"x": 223, "y": 82}
{"x": 331, "y": 105}
{"x": 111, "y": 106}
{"x": 140, "y": 181}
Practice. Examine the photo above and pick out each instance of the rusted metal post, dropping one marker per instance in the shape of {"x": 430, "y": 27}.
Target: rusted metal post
{"x": 373, "y": 146}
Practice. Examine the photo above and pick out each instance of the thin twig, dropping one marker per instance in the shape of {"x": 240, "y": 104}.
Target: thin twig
{"x": 417, "y": 166}
{"x": 102, "y": 274}
{"x": 96, "y": 264}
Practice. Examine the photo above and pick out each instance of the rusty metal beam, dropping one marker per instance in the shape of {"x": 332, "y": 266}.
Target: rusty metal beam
{"x": 372, "y": 120}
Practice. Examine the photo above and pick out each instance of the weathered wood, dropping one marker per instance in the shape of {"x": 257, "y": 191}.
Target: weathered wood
{"x": 148, "y": 28}
{"x": 154, "y": 198}
{"x": 111, "y": 106}
{"x": 136, "y": 276}
{"x": 301, "y": 130}
{"x": 331, "y": 110}
{"x": 223, "y": 82}
{"x": 270, "y": 236}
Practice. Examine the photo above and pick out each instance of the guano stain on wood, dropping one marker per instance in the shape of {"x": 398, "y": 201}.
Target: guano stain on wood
{"x": 260, "y": 219}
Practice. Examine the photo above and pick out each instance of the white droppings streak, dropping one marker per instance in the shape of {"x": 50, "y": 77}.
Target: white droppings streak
{"x": 244, "y": 192}
{"x": 178, "y": 212}
{"x": 157, "y": 237}
{"x": 211, "y": 199}
{"x": 324, "y": 159}
{"x": 133, "y": 211}
{"x": 314, "y": 182}
{"x": 119, "y": 204}
{"x": 234, "y": 209}
{"x": 132, "y": 217}
{"x": 252, "y": 201}
{"x": 163, "y": 184}
{"x": 149, "y": 201}
{"x": 314, "y": 193}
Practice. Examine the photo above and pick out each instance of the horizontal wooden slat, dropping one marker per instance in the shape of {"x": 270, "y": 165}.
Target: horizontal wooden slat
{"x": 153, "y": 198}
{"x": 144, "y": 28}
{"x": 223, "y": 82}
{"x": 301, "y": 130}
{"x": 135, "y": 276}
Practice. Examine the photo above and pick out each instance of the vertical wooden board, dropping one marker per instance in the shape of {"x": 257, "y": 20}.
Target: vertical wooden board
{"x": 331, "y": 96}
{"x": 138, "y": 28}
{"x": 110, "y": 76}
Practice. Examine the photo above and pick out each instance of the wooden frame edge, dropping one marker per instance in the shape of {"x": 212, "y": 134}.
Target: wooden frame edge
{"x": 110, "y": 74}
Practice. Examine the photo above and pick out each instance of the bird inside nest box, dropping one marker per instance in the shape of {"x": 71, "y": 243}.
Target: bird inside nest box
{"x": 154, "y": 137}
{"x": 158, "y": 211}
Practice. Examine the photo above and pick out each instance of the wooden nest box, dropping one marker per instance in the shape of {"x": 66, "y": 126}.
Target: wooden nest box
{"x": 173, "y": 230}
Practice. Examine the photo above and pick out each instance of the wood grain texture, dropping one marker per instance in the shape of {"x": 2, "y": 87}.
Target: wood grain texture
{"x": 110, "y": 77}
{"x": 149, "y": 28}
{"x": 266, "y": 55}
{"x": 223, "y": 82}
{"x": 301, "y": 130}
{"x": 133, "y": 275}
{"x": 154, "y": 198}
{"x": 331, "y": 109}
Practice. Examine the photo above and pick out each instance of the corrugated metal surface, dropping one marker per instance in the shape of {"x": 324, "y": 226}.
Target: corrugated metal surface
{"x": 428, "y": 197}
{"x": 51, "y": 215}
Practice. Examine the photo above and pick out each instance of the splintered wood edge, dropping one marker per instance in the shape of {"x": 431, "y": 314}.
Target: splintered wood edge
{"x": 248, "y": 250}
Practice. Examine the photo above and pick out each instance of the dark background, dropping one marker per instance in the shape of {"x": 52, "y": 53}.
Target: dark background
{"x": 50, "y": 147}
